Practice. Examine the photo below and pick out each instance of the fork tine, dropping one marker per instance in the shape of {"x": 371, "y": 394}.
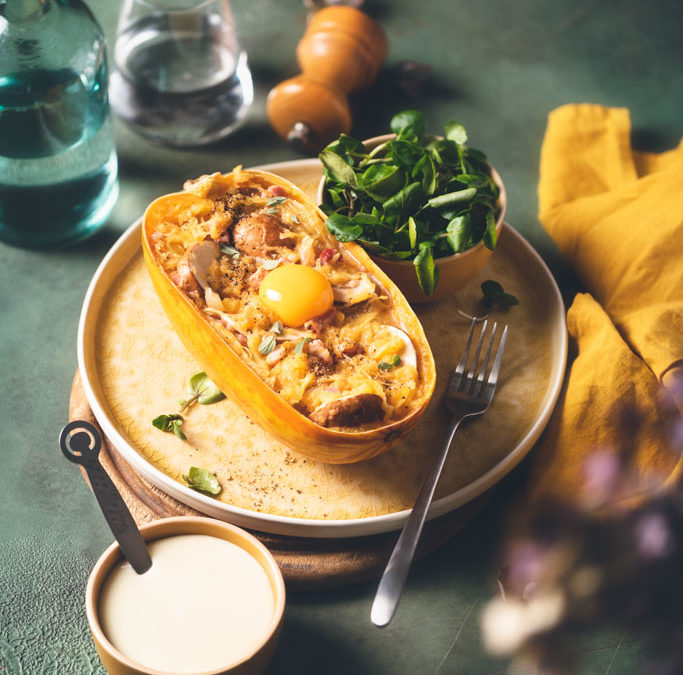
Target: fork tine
{"x": 473, "y": 368}
{"x": 493, "y": 377}
{"x": 460, "y": 368}
{"x": 485, "y": 364}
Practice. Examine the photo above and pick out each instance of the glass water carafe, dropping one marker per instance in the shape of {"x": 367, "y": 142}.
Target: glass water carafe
{"x": 180, "y": 76}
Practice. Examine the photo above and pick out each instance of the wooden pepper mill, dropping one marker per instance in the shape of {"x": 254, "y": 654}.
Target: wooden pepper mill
{"x": 340, "y": 52}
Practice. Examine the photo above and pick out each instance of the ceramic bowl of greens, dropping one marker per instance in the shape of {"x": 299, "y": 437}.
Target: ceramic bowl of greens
{"x": 428, "y": 209}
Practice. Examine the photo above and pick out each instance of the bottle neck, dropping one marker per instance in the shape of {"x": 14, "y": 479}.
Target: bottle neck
{"x": 20, "y": 11}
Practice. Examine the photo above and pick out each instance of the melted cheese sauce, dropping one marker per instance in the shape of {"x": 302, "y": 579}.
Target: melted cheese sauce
{"x": 204, "y": 604}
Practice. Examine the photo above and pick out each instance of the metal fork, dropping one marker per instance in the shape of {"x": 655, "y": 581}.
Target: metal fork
{"x": 468, "y": 396}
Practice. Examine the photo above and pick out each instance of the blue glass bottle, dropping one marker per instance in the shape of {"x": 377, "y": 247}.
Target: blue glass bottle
{"x": 58, "y": 168}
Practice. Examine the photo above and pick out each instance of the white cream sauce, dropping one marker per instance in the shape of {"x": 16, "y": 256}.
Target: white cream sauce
{"x": 205, "y": 603}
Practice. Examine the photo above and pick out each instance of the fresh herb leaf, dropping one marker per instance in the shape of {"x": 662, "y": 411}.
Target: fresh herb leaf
{"x": 386, "y": 366}
{"x": 459, "y": 233}
{"x": 427, "y": 271}
{"x": 299, "y": 346}
{"x": 276, "y": 201}
{"x": 204, "y": 389}
{"x": 490, "y": 232}
{"x": 447, "y": 154}
{"x": 494, "y": 294}
{"x": 456, "y": 132}
{"x": 380, "y": 181}
{"x": 404, "y": 202}
{"x": 202, "y": 480}
{"x": 338, "y": 168}
{"x": 162, "y": 422}
{"x": 230, "y": 251}
{"x": 475, "y": 180}
{"x": 171, "y": 424}
{"x": 405, "y": 154}
{"x": 267, "y": 344}
{"x": 409, "y": 123}
{"x": 272, "y": 210}
{"x": 425, "y": 168}
{"x": 378, "y": 249}
{"x": 451, "y": 198}
{"x": 412, "y": 232}
{"x": 346, "y": 146}
{"x": 366, "y": 219}
{"x": 277, "y": 328}
{"x": 343, "y": 228}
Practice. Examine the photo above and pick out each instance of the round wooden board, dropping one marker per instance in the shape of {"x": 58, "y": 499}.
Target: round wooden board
{"x": 306, "y": 563}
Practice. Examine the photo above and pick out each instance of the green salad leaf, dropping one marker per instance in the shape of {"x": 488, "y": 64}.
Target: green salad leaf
{"x": 493, "y": 294}
{"x": 202, "y": 480}
{"x": 203, "y": 391}
{"x": 170, "y": 423}
{"x": 415, "y": 197}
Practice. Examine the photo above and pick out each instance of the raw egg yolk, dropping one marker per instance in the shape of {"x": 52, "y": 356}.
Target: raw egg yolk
{"x": 296, "y": 293}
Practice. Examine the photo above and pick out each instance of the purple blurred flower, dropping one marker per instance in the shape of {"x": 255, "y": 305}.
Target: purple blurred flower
{"x": 602, "y": 471}
{"x": 653, "y": 535}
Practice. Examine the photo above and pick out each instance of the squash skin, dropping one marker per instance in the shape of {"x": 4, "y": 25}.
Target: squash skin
{"x": 243, "y": 386}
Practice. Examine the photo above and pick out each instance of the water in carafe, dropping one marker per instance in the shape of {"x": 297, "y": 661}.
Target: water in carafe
{"x": 180, "y": 77}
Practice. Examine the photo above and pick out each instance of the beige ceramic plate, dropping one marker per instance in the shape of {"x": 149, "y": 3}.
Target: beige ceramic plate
{"x": 135, "y": 368}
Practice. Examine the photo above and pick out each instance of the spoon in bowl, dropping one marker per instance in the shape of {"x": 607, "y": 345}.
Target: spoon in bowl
{"x": 81, "y": 443}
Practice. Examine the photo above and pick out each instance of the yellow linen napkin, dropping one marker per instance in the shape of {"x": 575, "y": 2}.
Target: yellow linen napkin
{"x": 617, "y": 217}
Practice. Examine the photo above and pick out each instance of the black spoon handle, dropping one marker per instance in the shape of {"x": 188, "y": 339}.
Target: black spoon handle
{"x": 75, "y": 441}
{"x": 119, "y": 518}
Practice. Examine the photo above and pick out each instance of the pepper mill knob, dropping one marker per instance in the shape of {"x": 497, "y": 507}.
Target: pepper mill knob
{"x": 340, "y": 52}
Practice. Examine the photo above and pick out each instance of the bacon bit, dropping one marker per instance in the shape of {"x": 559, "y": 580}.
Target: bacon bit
{"x": 328, "y": 255}
{"x": 318, "y": 323}
{"x": 276, "y": 355}
{"x": 249, "y": 191}
{"x": 223, "y": 238}
{"x": 241, "y": 338}
{"x": 318, "y": 349}
{"x": 186, "y": 281}
{"x": 351, "y": 349}
{"x": 276, "y": 191}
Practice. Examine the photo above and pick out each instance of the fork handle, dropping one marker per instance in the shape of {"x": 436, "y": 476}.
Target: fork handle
{"x": 396, "y": 572}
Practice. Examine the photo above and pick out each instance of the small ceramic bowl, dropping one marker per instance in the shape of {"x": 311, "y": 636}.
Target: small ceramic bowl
{"x": 455, "y": 271}
{"x": 253, "y": 663}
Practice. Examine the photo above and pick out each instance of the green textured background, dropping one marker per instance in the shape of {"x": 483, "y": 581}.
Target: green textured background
{"x": 500, "y": 67}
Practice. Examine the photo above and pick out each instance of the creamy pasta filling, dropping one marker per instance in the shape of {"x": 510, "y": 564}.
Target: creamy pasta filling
{"x": 305, "y": 316}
